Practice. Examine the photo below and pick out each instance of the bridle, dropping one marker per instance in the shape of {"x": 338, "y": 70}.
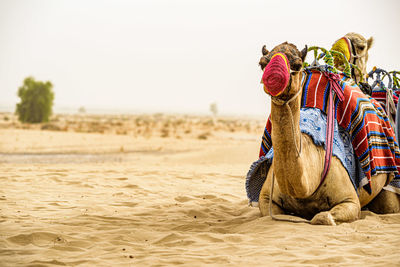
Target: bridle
{"x": 353, "y": 56}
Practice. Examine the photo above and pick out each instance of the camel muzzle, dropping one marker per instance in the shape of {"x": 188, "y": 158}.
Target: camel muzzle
{"x": 276, "y": 75}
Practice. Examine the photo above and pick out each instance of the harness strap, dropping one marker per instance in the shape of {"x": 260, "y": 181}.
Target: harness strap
{"x": 353, "y": 57}
{"x": 333, "y": 86}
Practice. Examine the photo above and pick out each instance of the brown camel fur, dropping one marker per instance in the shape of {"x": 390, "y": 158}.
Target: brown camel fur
{"x": 297, "y": 189}
{"x": 361, "y": 47}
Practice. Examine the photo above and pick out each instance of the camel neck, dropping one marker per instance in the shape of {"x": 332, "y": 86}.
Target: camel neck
{"x": 286, "y": 130}
{"x": 290, "y": 169}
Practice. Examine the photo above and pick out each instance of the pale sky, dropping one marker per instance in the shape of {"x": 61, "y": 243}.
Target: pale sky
{"x": 173, "y": 56}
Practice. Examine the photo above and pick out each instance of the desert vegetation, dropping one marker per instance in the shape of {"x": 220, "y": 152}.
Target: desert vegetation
{"x": 36, "y": 101}
{"x": 143, "y": 125}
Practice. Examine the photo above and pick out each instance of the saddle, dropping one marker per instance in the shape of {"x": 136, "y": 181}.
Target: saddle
{"x": 367, "y": 123}
{"x": 387, "y": 96}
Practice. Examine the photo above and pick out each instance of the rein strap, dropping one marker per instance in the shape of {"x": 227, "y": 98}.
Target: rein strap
{"x": 333, "y": 86}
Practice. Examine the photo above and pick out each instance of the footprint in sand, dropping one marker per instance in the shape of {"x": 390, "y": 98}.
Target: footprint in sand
{"x": 131, "y": 186}
{"x": 183, "y": 199}
{"x": 126, "y": 204}
{"x": 40, "y": 239}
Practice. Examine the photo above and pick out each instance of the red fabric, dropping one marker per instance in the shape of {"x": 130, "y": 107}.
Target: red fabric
{"x": 380, "y": 95}
{"x": 372, "y": 136}
{"x": 276, "y": 75}
{"x": 334, "y": 80}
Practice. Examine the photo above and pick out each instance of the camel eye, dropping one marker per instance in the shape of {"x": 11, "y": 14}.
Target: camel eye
{"x": 296, "y": 67}
{"x": 296, "y": 64}
{"x": 361, "y": 47}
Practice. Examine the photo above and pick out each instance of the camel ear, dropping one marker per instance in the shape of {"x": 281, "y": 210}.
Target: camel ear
{"x": 304, "y": 53}
{"x": 370, "y": 42}
{"x": 264, "y": 50}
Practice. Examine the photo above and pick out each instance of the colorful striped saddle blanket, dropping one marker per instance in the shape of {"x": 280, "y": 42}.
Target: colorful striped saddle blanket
{"x": 379, "y": 94}
{"x": 364, "y": 119}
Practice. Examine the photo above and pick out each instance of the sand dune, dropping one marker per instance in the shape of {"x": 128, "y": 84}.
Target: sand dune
{"x": 90, "y": 199}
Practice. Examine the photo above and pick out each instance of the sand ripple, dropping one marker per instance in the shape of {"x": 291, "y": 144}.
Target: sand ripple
{"x": 156, "y": 211}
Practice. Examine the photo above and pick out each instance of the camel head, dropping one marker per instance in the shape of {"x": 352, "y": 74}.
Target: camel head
{"x": 355, "y": 47}
{"x": 282, "y": 67}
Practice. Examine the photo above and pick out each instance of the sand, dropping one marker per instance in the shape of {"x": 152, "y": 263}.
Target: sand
{"x": 71, "y": 198}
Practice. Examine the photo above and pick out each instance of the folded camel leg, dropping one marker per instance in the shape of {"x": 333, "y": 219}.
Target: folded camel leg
{"x": 381, "y": 201}
{"x": 263, "y": 202}
{"x": 347, "y": 211}
{"x": 349, "y": 208}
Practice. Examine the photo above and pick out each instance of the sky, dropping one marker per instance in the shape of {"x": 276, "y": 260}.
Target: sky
{"x": 173, "y": 56}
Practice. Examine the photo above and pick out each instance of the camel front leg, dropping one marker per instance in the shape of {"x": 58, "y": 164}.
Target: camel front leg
{"x": 347, "y": 211}
{"x": 263, "y": 202}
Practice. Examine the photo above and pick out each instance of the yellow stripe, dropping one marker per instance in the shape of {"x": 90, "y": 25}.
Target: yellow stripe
{"x": 284, "y": 58}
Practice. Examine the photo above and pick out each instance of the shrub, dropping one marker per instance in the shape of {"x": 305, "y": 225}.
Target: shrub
{"x": 51, "y": 127}
{"x": 204, "y": 136}
{"x": 36, "y": 101}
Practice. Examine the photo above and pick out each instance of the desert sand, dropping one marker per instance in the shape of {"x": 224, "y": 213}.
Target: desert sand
{"x": 156, "y": 190}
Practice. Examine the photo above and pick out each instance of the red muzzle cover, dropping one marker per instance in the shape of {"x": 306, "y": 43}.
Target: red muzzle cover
{"x": 276, "y": 75}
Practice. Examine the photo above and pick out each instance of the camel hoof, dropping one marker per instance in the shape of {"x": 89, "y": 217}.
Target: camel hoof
{"x": 324, "y": 218}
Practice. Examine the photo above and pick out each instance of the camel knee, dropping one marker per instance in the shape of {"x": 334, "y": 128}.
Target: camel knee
{"x": 264, "y": 209}
{"x": 263, "y": 203}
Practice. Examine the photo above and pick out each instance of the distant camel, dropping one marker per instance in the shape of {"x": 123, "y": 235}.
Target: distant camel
{"x": 355, "y": 47}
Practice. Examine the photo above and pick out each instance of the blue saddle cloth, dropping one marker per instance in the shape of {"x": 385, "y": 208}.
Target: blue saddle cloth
{"x": 312, "y": 123}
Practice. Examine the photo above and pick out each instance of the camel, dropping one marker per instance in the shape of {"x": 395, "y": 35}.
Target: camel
{"x": 357, "y": 53}
{"x": 297, "y": 189}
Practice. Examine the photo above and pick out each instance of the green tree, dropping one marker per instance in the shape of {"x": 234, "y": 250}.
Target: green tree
{"x": 36, "y": 101}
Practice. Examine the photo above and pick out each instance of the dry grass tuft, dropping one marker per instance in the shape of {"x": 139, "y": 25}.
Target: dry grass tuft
{"x": 142, "y": 125}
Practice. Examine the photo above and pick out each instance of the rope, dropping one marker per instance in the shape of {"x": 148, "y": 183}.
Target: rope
{"x": 329, "y": 56}
{"x": 378, "y": 80}
{"x": 396, "y": 80}
{"x": 281, "y": 102}
{"x": 347, "y": 68}
{"x": 393, "y": 75}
